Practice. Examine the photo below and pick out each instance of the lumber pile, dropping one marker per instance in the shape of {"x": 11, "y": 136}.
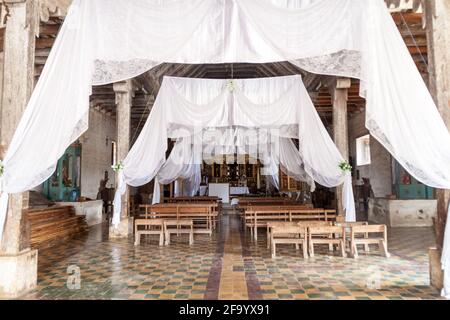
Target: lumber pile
{"x": 53, "y": 225}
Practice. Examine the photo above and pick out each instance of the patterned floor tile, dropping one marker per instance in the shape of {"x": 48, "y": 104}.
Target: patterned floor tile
{"x": 231, "y": 265}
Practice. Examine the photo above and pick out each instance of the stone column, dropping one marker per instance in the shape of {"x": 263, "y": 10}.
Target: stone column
{"x": 339, "y": 94}
{"x": 437, "y": 15}
{"x": 18, "y": 264}
{"x": 124, "y": 97}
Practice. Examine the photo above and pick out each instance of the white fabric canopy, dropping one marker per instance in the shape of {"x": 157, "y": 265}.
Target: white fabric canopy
{"x": 243, "y": 113}
{"x": 104, "y": 41}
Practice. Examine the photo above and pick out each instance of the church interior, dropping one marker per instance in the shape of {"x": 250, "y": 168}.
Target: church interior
{"x": 62, "y": 237}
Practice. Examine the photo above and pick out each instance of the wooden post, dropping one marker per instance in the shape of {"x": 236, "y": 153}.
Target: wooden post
{"x": 18, "y": 264}
{"x": 438, "y": 36}
{"x": 339, "y": 93}
{"x": 124, "y": 98}
{"x": 161, "y": 193}
{"x": 437, "y": 15}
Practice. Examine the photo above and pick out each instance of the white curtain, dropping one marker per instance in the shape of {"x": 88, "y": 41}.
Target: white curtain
{"x": 215, "y": 117}
{"x": 104, "y": 41}
{"x": 182, "y": 164}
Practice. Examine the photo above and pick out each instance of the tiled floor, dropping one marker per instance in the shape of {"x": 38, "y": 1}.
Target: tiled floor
{"x": 229, "y": 265}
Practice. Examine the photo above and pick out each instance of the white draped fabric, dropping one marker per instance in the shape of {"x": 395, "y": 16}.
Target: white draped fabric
{"x": 104, "y": 41}
{"x": 246, "y": 113}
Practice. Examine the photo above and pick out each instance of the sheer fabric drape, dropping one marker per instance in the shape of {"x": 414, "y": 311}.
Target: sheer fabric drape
{"x": 214, "y": 117}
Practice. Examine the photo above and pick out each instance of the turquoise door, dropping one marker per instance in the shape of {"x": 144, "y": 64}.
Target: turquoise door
{"x": 65, "y": 183}
{"x": 408, "y": 188}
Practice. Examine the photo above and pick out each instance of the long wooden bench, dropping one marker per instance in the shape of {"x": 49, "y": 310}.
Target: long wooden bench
{"x": 366, "y": 235}
{"x": 288, "y": 234}
{"x": 183, "y": 226}
{"x": 252, "y": 208}
{"x": 151, "y": 227}
{"x": 244, "y": 203}
{"x": 329, "y": 235}
{"x": 303, "y": 224}
{"x": 255, "y": 219}
{"x": 348, "y": 227}
{"x": 203, "y": 215}
{"x": 199, "y": 199}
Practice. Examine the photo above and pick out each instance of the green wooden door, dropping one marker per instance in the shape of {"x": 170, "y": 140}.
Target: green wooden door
{"x": 65, "y": 183}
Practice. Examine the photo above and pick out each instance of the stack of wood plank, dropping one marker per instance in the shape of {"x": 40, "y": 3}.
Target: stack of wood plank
{"x": 53, "y": 225}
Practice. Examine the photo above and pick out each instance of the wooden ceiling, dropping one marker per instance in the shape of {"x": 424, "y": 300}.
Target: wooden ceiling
{"x": 103, "y": 97}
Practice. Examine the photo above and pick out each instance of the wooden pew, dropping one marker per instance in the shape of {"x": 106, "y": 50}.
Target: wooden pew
{"x": 203, "y": 215}
{"x": 329, "y": 235}
{"x": 244, "y": 203}
{"x": 364, "y": 230}
{"x": 258, "y": 208}
{"x": 348, "y": 227}
{"x": 185, "y": 226}
{"x": 255, "y": 219}
{"x": 193, "y": 199}
{"x": 151, "y": 226}
{"x": 288, "y": 234}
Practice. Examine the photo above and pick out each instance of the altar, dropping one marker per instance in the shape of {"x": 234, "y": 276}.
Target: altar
{"x": 221, "y": 190}
{"x": 239, "y": 190}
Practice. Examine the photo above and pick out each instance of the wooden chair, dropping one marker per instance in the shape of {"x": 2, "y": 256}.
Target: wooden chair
{"x": 288, "y": 234}
{"x": 151, "y": 226}
{"x": 330, "y": 235}
{"x": 183, "y": 226}
{"x": 358, "y": 231}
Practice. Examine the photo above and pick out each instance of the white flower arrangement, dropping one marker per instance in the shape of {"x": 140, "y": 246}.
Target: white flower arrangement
{"x": 345, "y": 166}
{"x": 117, "y": 167}
{"x": 231, "y": 85}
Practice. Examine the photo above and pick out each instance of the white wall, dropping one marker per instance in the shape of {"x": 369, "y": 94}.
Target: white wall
{"x": 403, "y": 213}
{"x": 379, "y": 171}
{"x": 96, "y": 155}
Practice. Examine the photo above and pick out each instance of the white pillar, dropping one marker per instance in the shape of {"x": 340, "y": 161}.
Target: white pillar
{"x": 18, "y": 264}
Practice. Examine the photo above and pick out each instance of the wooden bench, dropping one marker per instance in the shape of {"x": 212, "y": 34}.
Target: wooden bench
{"x": 204, "y": 216}
{"x": 259, "y": 218}
{"x": 273, "y": 224}
{"x": 193, "y": 199}
{"x": 244, "y": 205}
{"x": 151, "y": 226}
{"x": 330, "y": 235}
{"x": 183, "y": 226}
{"x": 261, "y": 208}
{"x": 288, "y": 234}
{"x": 303, "y": 224}
{"x": 348, "y": 227}
{"x": 358, "y": 236}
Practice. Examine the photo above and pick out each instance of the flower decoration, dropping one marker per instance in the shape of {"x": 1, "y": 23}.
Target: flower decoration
{"x": 345, "y": 166}
{"x": 117, "y": 167}
{"x": 2, "y": 168}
